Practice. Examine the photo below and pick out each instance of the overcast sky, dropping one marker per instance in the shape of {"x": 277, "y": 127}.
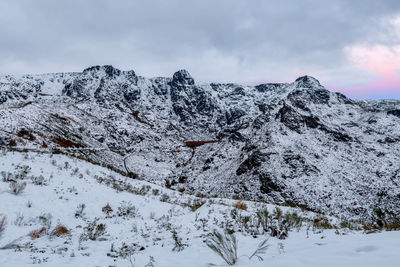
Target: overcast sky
{"x": 352, "y": 46}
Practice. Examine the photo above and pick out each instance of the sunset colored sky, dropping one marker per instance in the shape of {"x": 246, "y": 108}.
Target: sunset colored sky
{"x": 350, "y": 46}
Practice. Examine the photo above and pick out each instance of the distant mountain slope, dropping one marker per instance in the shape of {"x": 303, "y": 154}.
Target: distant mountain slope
{"x": 294, "y": 143}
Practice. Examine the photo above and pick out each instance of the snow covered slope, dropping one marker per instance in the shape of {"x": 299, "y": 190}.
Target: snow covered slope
{"x": 294, "y": 143}
{"x": 144, "y": 221}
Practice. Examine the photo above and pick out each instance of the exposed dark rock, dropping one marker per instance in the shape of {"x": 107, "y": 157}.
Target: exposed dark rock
{"x": 307, "y": 82}
{"x": 253, "y": 161}
{"x": 298, "y": 165}
{"x": 342, "y": 98}
{"x": 182, "y": 78}
{"x": 268, "y": 184}
{"x": 315, "y": 95}
{"x": 395, "y": 112}
{"x": 269, "y": 86}
{"x": 233, "y": 115}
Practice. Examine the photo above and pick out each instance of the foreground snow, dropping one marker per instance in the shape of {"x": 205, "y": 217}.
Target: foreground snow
{"x": 156, "y": 215}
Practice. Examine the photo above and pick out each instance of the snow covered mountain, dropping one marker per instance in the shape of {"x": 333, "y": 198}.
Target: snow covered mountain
{"x": 296, "y": 143}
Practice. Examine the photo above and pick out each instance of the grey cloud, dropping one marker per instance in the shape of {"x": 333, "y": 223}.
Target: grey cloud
{"x": 217, "y": 40}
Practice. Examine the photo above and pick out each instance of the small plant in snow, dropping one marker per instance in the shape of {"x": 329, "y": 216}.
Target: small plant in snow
{"x": 126, "y": 252}
{"x": 19, "y": 220}
{"x": 179, "y": 245}
{"x": 225, "y": 245}
{"x": 3, "y": 224}
{"x": 164, "y": 198}
{"x": 127, "y": 209}
{"x": 17, "y": 188}
{"x": 80, "y": 211}
{"x": 151, "y": 262}
{"x": 45, "y": 220}
{"x": 39, "y": 180}
{"x": 107, "y": 210}
{"x": 260, "y": 250}
{"x": 93, "y": 231}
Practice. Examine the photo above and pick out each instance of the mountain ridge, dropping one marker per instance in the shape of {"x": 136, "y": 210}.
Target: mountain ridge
{"x": 283, "y": 143}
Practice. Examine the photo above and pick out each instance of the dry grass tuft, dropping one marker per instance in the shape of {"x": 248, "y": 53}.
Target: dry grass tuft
{"x": 240, "y": 205}
{"x": 60, "y": 230}
{"x": 37, "y": 233}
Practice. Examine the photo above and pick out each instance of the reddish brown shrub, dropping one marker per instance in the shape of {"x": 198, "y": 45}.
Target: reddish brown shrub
{"x": 12, "y": 142}
{"x": 37, "y": 233}
{"x": 167, "y": 183}
{"x": 193, "y": 144}
{"x": 66, "y": 143}
{"x": 240, "y": 205}
{"x": 107, "y": 209}
{"x": 60, "y": 230}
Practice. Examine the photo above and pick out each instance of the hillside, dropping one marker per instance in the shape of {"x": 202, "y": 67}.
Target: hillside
{"x": 49, "y": 222}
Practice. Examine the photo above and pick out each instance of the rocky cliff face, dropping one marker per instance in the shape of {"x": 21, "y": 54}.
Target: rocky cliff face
{"x": 296, "y": 143}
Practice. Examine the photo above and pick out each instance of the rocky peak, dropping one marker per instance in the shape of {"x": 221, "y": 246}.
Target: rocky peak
{"x": 107, "y": 69}
{"x": 182, "y": 77}
{"x": 307, "y": 82}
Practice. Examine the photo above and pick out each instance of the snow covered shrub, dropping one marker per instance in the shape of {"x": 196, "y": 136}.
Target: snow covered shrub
{"x": 7, "y": 176}
{"x": 293, "y": 220}
{"x": 23, "y": 171}
{"x": 240, "y": 205}
{"x": 156, "y": 192}
{"x": 196, "y": 204}
{"x": 93, "y": 231}
{"x": 164, "y": 198}
{"x": 128, "y": 210}
{"x": 279, "y": 229}
{"x": 80, "y": 211}
{"x": 225, "y": 245}
{"x": 151, "y": 262}
{"x": 39, "y": 180}
{"x": 59, "y": 230}
{"x": 126, "y": 252}
{"x": 3, "y": 224}
{"x": 45, "y": 220}
{"x": 17, "y": 188}
{"x": 263, "y": 219}
{"x": 179, "y": 245}
{"x": 19, "y": 220}
{"x": 321, "y": 222}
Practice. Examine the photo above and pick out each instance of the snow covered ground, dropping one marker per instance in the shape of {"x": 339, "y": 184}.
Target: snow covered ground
{"x": 150, "y": 222}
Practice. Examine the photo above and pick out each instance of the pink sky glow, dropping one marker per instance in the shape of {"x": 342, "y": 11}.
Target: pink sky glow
{"x": 381, "y": 61}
